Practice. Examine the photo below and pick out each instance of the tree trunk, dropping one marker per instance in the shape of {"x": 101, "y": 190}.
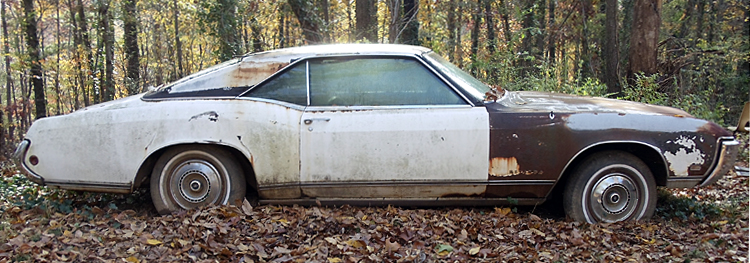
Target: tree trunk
{"x": 32, "y": 41}
{"x": 585, "y": 58}
{"x": 89, "y": 65}
{"x": 227, "y": 29}
{"x": 685, "y": 23}
{"x": 644, "y": 38}
{"x": 488, "y": 19}
{"x": 744, "y": 67}
{"x": 78, "y": 82}
{"x": 367, "y": 20}
{"x": 8, "y": 79}
{"x": 394, "y": 8}
{"x": 57, "y": 64}
{"x": 282, "y": 26}
{"x": 699, "y": 23}
{"x": 527, "y": 43}
{"x": 551, "y": 33}
{"x": 177, "y": 41}
{"x": 410, "y": 36}
{"x": 451, "y": 25}
{"x": 475, "y": 37}
{"x": 255, "y": 28}
{"x": 324, "y": 7}
{"x": 611, "y": 52}
{"x": 506, "y": 23}
{"x": 108, "y": 86}
{"x": 308, "y": 20}
{"x": 491, "y": 42}
{"x": 132, "y": 55}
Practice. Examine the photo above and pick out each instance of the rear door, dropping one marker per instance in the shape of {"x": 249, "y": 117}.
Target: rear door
{"x": 389, "y": 127}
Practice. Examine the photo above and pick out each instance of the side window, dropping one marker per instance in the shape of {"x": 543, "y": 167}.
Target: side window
{"x": 376, "y": 82}
{"x": 290, "y": 86}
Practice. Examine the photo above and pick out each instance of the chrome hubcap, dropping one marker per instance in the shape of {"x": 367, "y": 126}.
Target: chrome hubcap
{"x": 614, "y": 197}
{"x": 195, "y": 181}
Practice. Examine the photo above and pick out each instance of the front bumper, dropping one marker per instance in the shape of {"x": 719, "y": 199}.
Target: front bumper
{"x": 19, "y": 156}
{"x": 725, "y": 162}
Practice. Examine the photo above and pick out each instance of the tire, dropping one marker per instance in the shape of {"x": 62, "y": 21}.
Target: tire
{"x": 609, "y": 187}
{"x": 187, "y": 177}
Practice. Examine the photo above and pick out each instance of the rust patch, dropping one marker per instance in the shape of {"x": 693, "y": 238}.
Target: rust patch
{"x": 251, "y": 73}
{"x": 501, "y": 167}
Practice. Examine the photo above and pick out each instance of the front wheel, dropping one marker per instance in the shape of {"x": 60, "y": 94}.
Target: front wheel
{"x": 187, "y": 177}
{"x": 609, "y": 187}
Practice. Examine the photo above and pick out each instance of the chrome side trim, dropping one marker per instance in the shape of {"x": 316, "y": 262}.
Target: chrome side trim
{"x": 419, "y": 202}
{"x": 683, "y": 182}
{"x": 19, "y": 156}
{"x": 93, "y": 186}
{"x": 724, "y": 161}
{"x": 408, "y": 183}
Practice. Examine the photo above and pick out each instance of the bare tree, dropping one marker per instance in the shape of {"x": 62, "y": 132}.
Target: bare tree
{"x": 132, "y": 55}
{"x": 611, "y": 51}
{"x": 35, "y": 68}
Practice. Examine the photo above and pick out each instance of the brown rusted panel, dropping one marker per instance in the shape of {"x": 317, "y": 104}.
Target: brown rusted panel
{"x": 533, "y": 136}
{"x": 517, "y": 191}
{"x": 250, "y": 73}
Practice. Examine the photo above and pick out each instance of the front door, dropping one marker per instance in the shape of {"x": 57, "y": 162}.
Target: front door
{"x": 389, "y": 127}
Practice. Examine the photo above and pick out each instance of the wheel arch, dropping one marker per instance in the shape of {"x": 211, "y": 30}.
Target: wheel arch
{"x": 649, "y": 154}
{"x": 144, "y": 171}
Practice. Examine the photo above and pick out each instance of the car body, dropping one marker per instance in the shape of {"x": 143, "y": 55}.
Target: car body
{"x": 373, "y": 124}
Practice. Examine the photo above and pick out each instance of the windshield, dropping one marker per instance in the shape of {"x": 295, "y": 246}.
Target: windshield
{"x": 473, "y": 86}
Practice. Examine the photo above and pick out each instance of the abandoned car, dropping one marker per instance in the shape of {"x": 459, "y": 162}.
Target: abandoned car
{"x": 373, "y": 124}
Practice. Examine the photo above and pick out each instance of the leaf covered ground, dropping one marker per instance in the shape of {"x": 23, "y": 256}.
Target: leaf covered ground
{"x": 42, "y": 225}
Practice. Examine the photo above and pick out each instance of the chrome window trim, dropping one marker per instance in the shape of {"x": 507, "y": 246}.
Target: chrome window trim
{"x": 277, "y": 102}
{"x": 307, "y": 80}
{"x": 191, "y": 98}
{"x": 306, "y": 59}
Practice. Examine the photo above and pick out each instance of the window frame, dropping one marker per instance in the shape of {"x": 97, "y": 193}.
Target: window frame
{"x": 306, "y": 61}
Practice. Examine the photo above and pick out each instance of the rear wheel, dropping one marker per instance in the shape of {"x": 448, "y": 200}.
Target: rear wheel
{"x": 609, "y": 187}
{"x": 187, "y": 177}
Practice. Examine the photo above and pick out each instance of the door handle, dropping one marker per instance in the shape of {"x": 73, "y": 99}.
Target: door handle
{"x": 310, "y": 121}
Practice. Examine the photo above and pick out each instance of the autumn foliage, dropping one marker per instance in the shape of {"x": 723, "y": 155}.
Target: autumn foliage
{"x": 708, "y": 224}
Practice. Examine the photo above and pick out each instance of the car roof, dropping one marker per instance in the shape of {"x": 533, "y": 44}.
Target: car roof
{"x": 294, "y": 53}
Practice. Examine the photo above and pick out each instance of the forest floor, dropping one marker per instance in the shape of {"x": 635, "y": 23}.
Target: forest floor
{"x": 42, "y": 225}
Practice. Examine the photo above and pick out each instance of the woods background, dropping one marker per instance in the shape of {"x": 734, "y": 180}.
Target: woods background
{"x": 62, "y": 55}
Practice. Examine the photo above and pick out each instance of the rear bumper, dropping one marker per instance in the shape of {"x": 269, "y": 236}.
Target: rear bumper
{"x": 19, "y": 157}
{"x": 725, "y": 160}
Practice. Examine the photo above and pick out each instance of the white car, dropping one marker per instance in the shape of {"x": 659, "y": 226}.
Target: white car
{"x": 370, "y": 124}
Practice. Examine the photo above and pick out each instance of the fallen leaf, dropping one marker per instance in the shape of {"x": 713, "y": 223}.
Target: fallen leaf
{"x": 474, "y": 251}
{"x": 443, "y": 247}
{"x": 153, "y": 242}
{"x": 391, "y": 246}
{"x": 355, "y": 243}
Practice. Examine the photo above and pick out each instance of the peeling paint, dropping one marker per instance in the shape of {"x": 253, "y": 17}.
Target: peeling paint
{"x": 212, "y": 116}
{"x": 688, "y": 155}
{"x": 502, "y": 167}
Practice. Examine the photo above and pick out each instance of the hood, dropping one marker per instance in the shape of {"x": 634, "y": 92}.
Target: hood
{"x": 530, "y": 101}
